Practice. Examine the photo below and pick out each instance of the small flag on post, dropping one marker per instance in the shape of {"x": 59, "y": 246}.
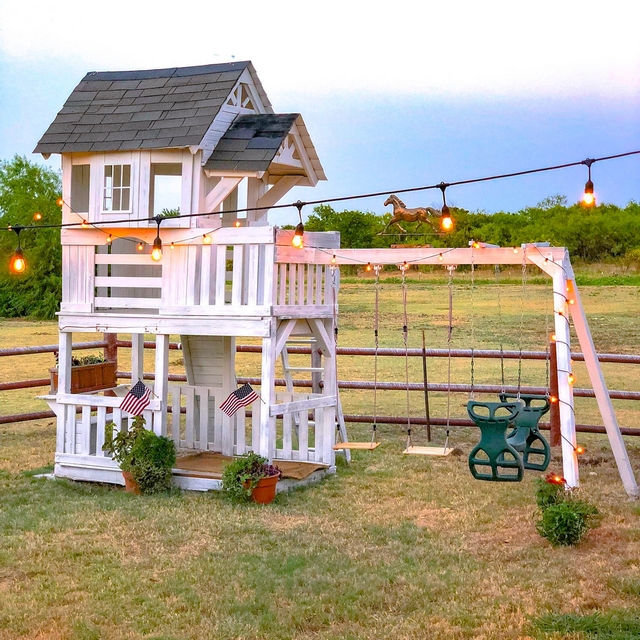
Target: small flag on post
{"x": 137, "y": 399}
{"x": 239, "y": 398}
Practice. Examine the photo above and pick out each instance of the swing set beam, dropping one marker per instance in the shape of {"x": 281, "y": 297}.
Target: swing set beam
{"x": 554, "y": 261}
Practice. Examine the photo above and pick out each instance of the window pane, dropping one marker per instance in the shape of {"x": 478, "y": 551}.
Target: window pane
{"x": 125, "y": 199}
{"x": 116, "y": 200}
{"x": 107, "y": 202}
{"x": 126, "y": 175}
{"x": 108, "y": 171}
{"x": 117, "y": 175}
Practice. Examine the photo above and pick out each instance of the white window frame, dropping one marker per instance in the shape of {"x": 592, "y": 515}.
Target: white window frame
{"x": 121, "y": 187}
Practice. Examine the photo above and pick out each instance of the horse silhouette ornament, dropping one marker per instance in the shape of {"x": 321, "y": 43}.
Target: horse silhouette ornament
{"x": 419, "y": 214}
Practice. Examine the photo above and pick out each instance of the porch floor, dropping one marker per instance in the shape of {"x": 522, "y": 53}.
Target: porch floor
{"x": 210, "y": 464}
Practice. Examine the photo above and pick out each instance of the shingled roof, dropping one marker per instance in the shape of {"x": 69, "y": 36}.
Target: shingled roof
{"x": 251, "y": 142}
{"x": 154, "y": 109}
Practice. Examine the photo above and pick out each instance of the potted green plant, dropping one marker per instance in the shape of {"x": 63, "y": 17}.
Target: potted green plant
{"x": 250, "y": 477}
{"x": 88, "y": 373}
{"x": 145, "y": 458}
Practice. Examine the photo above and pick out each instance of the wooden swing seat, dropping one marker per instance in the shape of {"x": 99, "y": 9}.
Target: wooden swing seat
{"x": 366, "y": 446}
{"x": 427, "y": 451}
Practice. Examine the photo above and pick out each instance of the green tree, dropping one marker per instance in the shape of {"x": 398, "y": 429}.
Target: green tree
{"x": 357, "y": 229}
{"x": 27, "y": 188}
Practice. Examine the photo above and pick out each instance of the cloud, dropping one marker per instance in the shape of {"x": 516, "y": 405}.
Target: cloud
{"x": 490, "y": 48}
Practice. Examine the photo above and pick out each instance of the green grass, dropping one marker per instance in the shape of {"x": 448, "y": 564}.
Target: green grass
{"x": 391, "y": 546}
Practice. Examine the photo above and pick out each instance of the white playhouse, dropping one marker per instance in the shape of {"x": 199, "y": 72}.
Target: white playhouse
{"x": 140, "y": 149}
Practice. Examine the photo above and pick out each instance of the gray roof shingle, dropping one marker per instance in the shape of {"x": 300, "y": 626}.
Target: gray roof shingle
{"x": 251, "y": 142}
{"x": 129, "y": 107}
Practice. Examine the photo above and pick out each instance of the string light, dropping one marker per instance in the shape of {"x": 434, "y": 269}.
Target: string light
{"x": 206, "y": 239}
{"x": 446, "y": 222}
{"x": 298, "y": 235}
{"x": 571, "y": 378}
{"x": 333, "y": 259}
{"x": 237, "y": 223}
{"x": 84, "y": 225}
{"x": 140, "y": 246}
{"x": 440, "y": 257}
{"x": 172, "y": 246}
{"x": 59, "y": 202}
{"x": 515, "y": 249}
{"x": 17, "y": 263}
{"x": 109, "y": 239}
{"x": 588, "y": 199}
{"x": 37, "y": 216}
{"x": 156, "y": 252}
{"x": 579, "y": 450}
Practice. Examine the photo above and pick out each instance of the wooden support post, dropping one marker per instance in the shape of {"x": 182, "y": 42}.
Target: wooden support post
{"x": 161, "y": 384}
{"x": 601, "y": 392}
{"x": 137, "y": 357}
{"x": 64, "y": 386}
{"x": 554, "y": 411}
{"x": 111, "y": 349}
{"x": 328, "y": 425}
{"x": 565, "y": 389}
{"x": 268, "y": 395}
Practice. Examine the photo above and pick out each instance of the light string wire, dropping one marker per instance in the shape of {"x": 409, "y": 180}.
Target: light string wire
{"x": 361, "y": 196}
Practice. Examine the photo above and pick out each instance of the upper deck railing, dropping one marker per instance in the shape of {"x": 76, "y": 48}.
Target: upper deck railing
{"x": 234, "y": 273}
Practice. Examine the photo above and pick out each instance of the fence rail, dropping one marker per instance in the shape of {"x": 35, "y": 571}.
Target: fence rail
{"x": 112, "y": 343}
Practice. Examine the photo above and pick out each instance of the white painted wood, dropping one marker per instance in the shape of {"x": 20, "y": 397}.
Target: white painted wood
{"x": 161, "y": 383}
{"x": 302, "y": 405}
{"x": 267, "y": 393}
{"x": 129, "y": 323}
{"x": 219, "y": 193}
{"x": 236, "y": 283}
{"x": 100, "y": 430}
{"x": 205, "y": 275}
{"x": 190, "y": 396}
{"x": 127, "y": 303}
{"x": 565, "y": 390}
{"x": 175, "y": 413}
{"x": 203, "y": 435}
{"x": 64, "y": 363}
{"x": 123, "y": 258}
{"x": 137, "y": 357}
{"x": 85, "y": 430}
{"x": 303, "y": 435}
{"x": 330, "y": 391}
{"x": 602, "y": 393}
{"x": 281, "y": 298}
{"x": 111, "y": 281}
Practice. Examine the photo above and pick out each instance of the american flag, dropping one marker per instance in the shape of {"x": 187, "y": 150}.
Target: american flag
{"x": 137, "y": 399}
{"x": 239, "y": 398}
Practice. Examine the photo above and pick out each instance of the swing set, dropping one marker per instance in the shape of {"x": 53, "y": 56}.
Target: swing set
{"x": 510, "y": 440}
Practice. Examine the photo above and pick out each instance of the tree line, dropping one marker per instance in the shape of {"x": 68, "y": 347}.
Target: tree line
{"x": 591, "y": 234}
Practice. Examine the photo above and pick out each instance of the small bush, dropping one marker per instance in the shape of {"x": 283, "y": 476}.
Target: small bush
{"x": 564, "y": 520}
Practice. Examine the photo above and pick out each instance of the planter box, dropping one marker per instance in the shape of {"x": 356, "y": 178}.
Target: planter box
{"x": 88, "y": 377}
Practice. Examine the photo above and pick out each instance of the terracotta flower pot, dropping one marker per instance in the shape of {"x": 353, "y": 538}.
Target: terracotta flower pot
{"x": 130, "y": 483}
{"x": 265, "y": 490}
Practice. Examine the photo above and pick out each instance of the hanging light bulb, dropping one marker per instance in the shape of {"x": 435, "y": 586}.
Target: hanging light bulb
{"x": 59, "y": 202}
{"x": 140, "y": 246}
{"x": 237, "y": 223}
{"x": 580, "y": 450}
{"x": 172, "y": 247}
{"x": 440, "y": 257}
{"x": 84, "y": 225}
{"x": 446, "y": 221}
{"x": 571, "y": 378}
{"x": 368, "y": 267}
{"x": 109, "y": 239}
{"x": 156, "y": 252}
{"x": 298, "y": 236}
{"x": 333, "y": 259}
{"x": 588, "y": 198}
{"x": 37, "y": 216}
{"x": 206, "y": 239}
{"x": 17, "y": 263}
{"x": 298, "y": 240}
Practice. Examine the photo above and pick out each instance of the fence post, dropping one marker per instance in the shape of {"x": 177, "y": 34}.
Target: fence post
{"x": 111, "y": 348}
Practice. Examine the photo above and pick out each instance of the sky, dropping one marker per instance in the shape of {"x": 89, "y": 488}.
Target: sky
{"x": 395, "y": 95}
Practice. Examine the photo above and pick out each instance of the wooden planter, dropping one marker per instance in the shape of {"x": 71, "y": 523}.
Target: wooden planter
{"x": 88, "y": 377}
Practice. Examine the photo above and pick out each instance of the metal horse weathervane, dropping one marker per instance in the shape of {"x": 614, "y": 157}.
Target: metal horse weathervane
{"x": 419, "y": 214}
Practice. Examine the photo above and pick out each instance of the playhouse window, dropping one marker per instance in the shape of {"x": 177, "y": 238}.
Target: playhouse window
{"x": 80, "y": 183}
{"x": 117, "y": 187}
{"x": 165, "y": 193}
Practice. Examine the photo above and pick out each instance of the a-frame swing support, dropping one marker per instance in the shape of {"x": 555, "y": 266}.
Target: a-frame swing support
{"x": 555, "y": 262}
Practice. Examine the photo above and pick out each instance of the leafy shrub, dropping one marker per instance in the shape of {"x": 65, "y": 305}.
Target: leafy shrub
{"x": 564, "y": 520}
{"x": 148, "y": 456}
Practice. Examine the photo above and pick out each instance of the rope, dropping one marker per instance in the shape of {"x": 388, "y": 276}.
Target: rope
{"x": 375, "y": 357}
{"x": 500, "y": 327}
{"x": 405, "y": 336}
{"x": 522, "y": 306}
{"x": 449, "y": 337}
{"x": 473, "y": 325}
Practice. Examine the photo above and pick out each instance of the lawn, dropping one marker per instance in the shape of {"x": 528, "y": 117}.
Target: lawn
{"x": 390, "y": 546}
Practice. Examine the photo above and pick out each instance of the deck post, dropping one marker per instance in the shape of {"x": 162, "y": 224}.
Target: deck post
{"x": 268, "y": 395}
{"x": 137, "y": 357}
{"x": 161, "y": 383}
